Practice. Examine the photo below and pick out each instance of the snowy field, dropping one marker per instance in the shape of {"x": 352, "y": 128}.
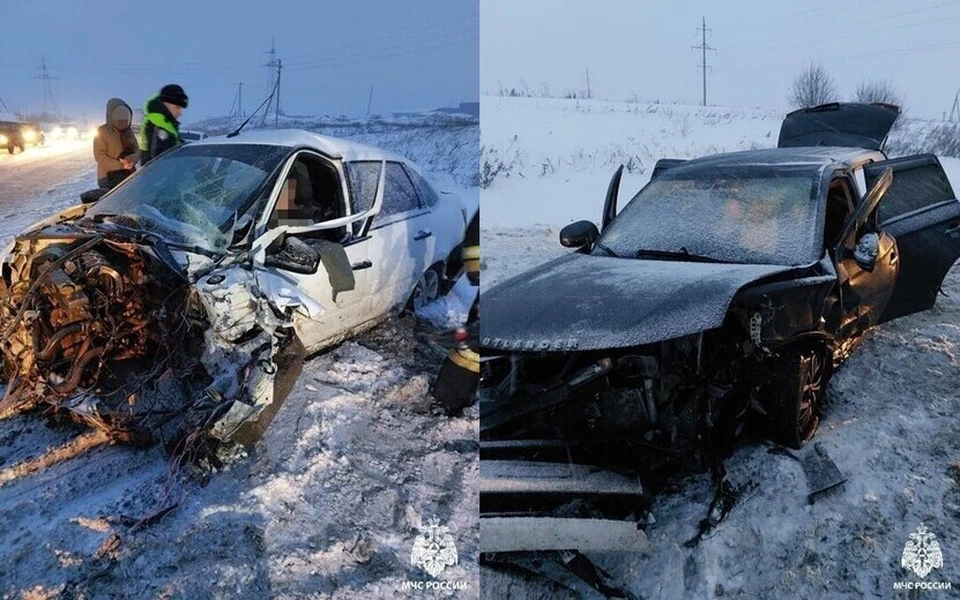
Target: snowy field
{"x": 326, "y": 506}
{"x": 891, "y": 424}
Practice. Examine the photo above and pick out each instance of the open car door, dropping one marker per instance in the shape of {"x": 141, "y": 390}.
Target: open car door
{"x": 339, "y": 282}
{"x": 846, "y": 124}
{"x": 921, "y": 212}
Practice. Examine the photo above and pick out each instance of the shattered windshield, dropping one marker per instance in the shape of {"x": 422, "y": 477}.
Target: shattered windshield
{"x": 193, "y": 195}
{"x": 734, "y": 214}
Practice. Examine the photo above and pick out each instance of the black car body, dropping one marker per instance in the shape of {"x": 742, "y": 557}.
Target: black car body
{"x": 722, "y": 295}
{"x": 11, "y": 136}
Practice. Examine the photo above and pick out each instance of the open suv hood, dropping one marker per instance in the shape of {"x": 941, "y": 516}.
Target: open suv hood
{"x": 844, "y": 124}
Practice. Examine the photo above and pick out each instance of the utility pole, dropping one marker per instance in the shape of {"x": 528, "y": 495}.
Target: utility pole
{"x": 703, "y": 47}
{"x": 370, "y": 100}
{"x": 48, "y": 104}
{"x": 5, "y": 109}
{"x": 589, "y": 93}
{"x": 276, "y": 114}
{"x": 236, "y": 108}
{"x": 955, "y": 110}
{"x": 271, "y": 66}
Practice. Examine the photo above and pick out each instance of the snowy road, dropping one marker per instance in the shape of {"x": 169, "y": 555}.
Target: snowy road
{"x": 327, "y": 505}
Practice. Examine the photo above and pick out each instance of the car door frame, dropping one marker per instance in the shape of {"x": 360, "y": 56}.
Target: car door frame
{"x": 309, "y": 323}
{"x": 864, "y": 291}
{"x": 391, "y": 294}
{"x": 928, "y": 236}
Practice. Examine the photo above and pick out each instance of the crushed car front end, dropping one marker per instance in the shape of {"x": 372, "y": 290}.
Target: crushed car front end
{"x": 111, "y": 331}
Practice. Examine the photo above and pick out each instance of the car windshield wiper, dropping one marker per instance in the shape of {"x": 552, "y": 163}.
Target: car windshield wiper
{"x": 606, "y": 249}
{"x": 681, "y": 254}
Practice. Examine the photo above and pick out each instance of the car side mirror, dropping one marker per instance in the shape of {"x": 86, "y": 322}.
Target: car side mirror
{"x": 579, "y": 234}
{"x": 866, "y": 251}
{"x": 292, "y": 254}
{"x": 91, "y": 196}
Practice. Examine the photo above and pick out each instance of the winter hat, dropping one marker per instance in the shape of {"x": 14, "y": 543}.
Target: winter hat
{"x": 173, "y": 94}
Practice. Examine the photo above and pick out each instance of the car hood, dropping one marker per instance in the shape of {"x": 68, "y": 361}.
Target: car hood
{"x": 585, "y": 302}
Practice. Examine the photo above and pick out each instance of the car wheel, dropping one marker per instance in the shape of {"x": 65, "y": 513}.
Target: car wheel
{"x": 796, "y": 398}
{"x": 11, "y": 149}
{"x": 426, "y": 290}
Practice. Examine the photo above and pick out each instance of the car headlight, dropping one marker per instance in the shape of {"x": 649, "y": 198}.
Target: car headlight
{"x": 29, "y": 135}
{"x": 72, "y": 132}
{"x": 3, "y": 140}
{"x": 57, "y": 132}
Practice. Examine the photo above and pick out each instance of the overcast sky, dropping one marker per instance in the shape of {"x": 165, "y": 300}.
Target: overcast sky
{"x": 417, "y": 54}
{"x": 644, "y": 48}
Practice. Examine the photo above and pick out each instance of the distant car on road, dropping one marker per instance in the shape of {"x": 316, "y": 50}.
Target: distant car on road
{"x": 12, "y": 136}
{"x": 65, "y": 131}
{"x": 33, "y": 134}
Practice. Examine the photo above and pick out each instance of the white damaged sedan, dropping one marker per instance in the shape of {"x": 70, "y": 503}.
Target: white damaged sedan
{"x": 179, "y": 307}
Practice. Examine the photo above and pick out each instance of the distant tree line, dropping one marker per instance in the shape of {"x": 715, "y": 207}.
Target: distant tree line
{"x": 814, "y": 86}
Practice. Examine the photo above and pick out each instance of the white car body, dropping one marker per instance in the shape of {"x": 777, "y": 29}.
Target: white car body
{"x": 398, "y": 231}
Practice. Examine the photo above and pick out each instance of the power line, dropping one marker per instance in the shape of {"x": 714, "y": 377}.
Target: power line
{"x": 703, "y": 47}
{"x": 391, "y": 55}
{"x": 451, "y": 36}
{"x": 826, "y": 8}
{"x": 804, "y": 37}
{"x": 366, "y": 43}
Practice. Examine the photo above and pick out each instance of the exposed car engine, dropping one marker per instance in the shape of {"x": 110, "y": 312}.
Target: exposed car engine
{"x": 108, "y": 333}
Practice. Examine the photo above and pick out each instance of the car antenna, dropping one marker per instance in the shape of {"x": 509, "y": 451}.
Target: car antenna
{"x": 269, "y": 97}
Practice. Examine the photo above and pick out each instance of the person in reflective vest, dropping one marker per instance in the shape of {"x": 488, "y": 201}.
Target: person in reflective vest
{"x": 160, "y": 130}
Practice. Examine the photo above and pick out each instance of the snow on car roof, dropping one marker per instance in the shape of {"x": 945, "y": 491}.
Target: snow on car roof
{"x": 816, "y": 157}
{"x": 294, "y": 138}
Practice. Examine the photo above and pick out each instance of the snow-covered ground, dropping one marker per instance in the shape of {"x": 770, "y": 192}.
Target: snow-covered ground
{"x": 891, "y": 424}
{"x": 326, "y": 506}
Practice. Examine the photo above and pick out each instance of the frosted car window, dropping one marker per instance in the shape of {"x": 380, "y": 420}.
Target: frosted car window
{"x": 731, "y": 215}
{"x": 362, "y": 177}
{"x": 424, "y": 189}
{"x": 399, "y": 195}
{"x": 192, "y": 194}
{"x": 913, "y": 189}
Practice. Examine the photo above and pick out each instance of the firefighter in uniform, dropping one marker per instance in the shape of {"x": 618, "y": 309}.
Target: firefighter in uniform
{"x": 456, "y": 385}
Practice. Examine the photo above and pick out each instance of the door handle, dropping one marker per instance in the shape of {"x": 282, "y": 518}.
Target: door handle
{"x": 422, "y": 234}
{"x": 954, "y": 230}
{"x": 359, "y": 266}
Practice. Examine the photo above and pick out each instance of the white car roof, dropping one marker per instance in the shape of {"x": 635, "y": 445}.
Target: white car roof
{"x": 294, "y": 138}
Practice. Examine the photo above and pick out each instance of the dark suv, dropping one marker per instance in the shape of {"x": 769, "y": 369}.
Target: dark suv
{"x": 15, "y": 135}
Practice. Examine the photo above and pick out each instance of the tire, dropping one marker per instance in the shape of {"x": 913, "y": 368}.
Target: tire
{"x": 11, "y": 149}
{"x": 795, "y": 398}
{"x": 426, "y": 290}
